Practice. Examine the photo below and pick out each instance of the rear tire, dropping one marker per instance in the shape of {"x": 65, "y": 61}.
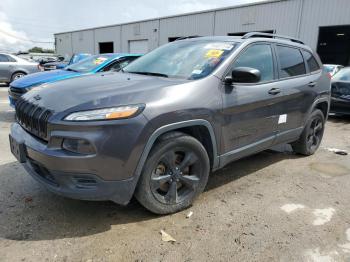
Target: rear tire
{"x": 175, "y": 173}
{"x": 311, "y": 137}
{"x": 17, "y": 75}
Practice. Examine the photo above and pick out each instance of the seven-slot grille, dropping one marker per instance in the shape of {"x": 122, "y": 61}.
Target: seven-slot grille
{"x": 33, "y": 118}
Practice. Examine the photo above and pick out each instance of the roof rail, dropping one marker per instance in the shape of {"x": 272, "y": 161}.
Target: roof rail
{"x": 187, "y": 37}
{"x": 257, "y": 34}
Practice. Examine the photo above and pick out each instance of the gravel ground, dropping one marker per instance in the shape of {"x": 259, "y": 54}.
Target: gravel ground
{"x": 273, "y": 206}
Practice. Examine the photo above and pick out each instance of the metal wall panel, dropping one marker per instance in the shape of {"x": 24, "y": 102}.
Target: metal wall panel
{"x": 108, "y": 34}
{"x": 298, "y": 18}
{"x": 196, "y": 24}
{"x": 64, "y": 44}
{"x": 147, "y": 30}
{"x": 317, "y": 13}
{"x": 280, "y": 16}
{"x": 83, "y": 41}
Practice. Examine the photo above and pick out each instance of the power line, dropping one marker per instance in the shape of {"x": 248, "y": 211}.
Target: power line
{"x": 24, "y": 39}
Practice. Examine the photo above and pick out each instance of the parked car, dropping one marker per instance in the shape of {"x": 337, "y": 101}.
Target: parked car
{"x": 75, "y": 58}
{"x": 90, "y": 65}
{"x": 13, "y": 68}
{"x": 340, "y": 101}
{"x": 156, "y": 129}
{"x": 333, "y": 69}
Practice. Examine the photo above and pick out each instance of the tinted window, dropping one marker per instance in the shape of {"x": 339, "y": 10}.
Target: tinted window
{"x": 291, "y": 62}
{"x": 258, "y": 57}
{"x": 121, "y": 63}
{"x": 311, "y": 61}
{"x": 4, "y": 58}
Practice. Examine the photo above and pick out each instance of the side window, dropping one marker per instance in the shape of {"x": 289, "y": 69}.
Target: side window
{"x": 126, "y": 61}
{"x": 260, "y": 57}
{"x": 11, "y": 59}
{"x": 311, "y": 61}
{"x": 119, "y": 64}
{"x": 3, "y": 58}
{"x": 291, "y": 62}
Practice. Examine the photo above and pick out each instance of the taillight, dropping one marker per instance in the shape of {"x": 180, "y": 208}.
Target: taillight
{"x": 329, "y": 75}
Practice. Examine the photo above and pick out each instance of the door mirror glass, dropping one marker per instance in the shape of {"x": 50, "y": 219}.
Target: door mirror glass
{"x": 245, "y": 75}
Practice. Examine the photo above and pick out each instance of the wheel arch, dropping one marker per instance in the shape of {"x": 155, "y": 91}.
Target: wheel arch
{"x": 18, "y": 71}
{"x": 189, "y": 127}
{"x": 323, "y": 104}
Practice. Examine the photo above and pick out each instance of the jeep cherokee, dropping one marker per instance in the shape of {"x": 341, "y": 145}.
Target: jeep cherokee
{"x": 157, "y": 129}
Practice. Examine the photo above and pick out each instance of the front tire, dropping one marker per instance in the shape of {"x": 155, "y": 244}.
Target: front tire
{"x": 312, "y": 135}
{"x": 175, "y": 173}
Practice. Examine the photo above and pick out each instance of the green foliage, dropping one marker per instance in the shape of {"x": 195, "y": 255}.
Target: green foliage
{"x": 37, "y": 49}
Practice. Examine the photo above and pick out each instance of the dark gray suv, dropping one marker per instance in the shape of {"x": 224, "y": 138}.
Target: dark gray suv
{"x": 157, "y": 129}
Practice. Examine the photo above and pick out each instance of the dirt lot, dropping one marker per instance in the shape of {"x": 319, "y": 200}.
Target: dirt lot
{"x": 274, "y": 206}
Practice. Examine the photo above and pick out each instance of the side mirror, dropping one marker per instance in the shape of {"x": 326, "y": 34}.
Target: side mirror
{"x": 244, "y": 75}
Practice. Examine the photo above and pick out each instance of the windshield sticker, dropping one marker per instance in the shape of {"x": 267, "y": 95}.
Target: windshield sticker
{"x": 214, "y": 53}
{"x": 197, "y": 72}
{"x": 220, "y": 46}
{"x": 99, "y": 60}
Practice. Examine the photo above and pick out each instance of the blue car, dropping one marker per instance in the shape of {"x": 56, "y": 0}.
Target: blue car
{"x": 62, "y": 64}
{"x": 90, "y": 65}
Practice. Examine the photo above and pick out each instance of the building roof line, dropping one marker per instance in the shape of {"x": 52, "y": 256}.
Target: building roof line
{"x": 177, "y": 15}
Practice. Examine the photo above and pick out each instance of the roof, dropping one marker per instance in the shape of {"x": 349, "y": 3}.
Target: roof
{"x": 178, "y": 15}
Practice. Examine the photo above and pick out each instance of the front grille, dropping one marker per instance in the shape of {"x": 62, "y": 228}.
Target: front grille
{"x": 33, "y": 118}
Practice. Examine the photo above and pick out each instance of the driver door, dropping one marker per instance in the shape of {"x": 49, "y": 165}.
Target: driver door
{"x": 250, "y": 124}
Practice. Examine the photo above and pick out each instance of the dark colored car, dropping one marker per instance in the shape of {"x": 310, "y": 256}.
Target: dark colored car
{"x": 340, "y": 101}
{"x": 75, "y": 58}
{"x": 158, "y": 128}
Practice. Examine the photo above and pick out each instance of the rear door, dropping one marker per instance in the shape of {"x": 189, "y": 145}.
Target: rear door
{"x": 5, "y": 68}
{"x": 249, "y": 122}
{"x": 298, "y": 87}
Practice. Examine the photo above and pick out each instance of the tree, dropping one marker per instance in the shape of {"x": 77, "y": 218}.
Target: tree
{"x": 37, "y": 49}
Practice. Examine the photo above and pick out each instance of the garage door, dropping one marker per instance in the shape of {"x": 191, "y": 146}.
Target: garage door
{"x": 138, "y": 46}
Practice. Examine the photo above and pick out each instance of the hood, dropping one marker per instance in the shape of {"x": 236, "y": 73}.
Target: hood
{"x": 43, "y": 77}
{"x": 100, "y": 90}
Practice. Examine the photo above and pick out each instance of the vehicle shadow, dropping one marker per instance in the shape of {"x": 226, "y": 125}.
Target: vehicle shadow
{"x": 30, "y": 213}
{"x": 344, "y": 119}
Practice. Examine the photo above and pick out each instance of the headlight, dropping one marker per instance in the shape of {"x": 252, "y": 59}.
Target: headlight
{"x": 106, "y": 113}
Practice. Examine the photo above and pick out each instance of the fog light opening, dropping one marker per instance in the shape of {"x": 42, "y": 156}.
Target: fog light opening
{"x": 79, "y": 146}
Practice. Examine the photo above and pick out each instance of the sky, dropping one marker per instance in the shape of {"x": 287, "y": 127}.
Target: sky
{"x": 28, "y": 23}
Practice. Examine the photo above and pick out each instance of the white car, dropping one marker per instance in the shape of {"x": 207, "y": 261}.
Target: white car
{"x": 13, "y": 67}
{"x": 333, "y": 69}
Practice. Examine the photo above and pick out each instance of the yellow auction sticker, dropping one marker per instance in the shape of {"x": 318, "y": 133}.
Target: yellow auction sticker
{"x": 214, "y": 53}
{"x": 99, "y": 60}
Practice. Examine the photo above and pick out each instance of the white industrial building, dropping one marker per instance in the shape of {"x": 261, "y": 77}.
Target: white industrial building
{"x": 322, "y": 24}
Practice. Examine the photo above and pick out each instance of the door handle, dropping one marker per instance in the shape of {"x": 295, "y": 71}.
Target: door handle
{"x": 274, "y": 91}
{"x": 312, "y": 84}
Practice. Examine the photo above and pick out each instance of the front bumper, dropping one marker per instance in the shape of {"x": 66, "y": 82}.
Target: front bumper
{"x": 86, "y": 177}
{"x": 340, "y": 106}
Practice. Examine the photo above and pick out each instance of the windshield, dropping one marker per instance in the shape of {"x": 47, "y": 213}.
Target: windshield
{"x": 88, "y": 64}
{"x": 183, "y": 59}
{"x": 343, "y": 75}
